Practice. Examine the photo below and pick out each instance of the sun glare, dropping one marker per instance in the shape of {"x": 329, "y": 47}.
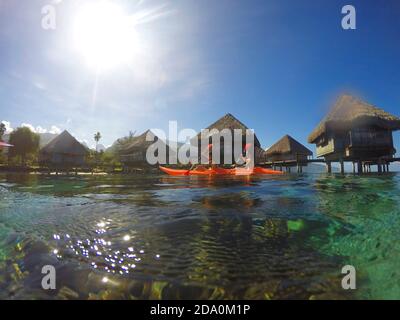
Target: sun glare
{"x": 104, "y": 35}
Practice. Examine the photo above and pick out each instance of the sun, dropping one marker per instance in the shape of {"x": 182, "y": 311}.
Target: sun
{"x": 104, "y": 35}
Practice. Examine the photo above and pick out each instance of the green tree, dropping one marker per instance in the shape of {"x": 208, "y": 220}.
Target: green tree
{"x": 2, "y": 130}
{"x": 97, "y": 138}
{"x": 25, "y": 143}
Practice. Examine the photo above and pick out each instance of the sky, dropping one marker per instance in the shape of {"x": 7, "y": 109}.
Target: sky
{"x": 277, "y": 65}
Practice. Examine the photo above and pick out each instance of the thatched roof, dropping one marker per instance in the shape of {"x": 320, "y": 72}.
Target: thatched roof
{"x": 288, "y": 145}
{"x": 139, "y": 142}
{"x": 66, "y": 144}
{"x": 136, "y": 142}
{"x": 228, "y": 121}
{"x": 349, "y": 112}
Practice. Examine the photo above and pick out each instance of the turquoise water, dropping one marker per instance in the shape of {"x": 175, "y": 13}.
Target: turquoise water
{"x": 160, "y": 237}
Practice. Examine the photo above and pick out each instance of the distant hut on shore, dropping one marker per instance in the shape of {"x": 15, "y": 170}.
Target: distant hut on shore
{"x": 63, "y": 151}
{"x": 231, "y": 123}
{"x": 133, "y": 154}
{"x": 3, "y": 144}
{"x": 288, "y": 152}
{"x": 358, "y": 132}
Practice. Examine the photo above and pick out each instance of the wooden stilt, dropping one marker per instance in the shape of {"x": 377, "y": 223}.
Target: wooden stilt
{"x": 329, "y": 167}
{"x": 354, "y": 167}
{"x": 359, "y": 167}
{"x": 341, "y": 166}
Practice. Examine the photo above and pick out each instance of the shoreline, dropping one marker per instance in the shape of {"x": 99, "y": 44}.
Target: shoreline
{"x": 71, "y": 172}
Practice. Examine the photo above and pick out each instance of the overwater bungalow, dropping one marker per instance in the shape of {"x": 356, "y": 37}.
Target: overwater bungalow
{"x": 231, "y": 123}
{"x": 133, "y": 154}
{"x": 358, "y": 132}
{"x": 288, "y": 152}
{"x": 64, "y": 151}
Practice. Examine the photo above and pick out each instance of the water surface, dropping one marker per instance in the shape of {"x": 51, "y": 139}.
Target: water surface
{"x": 160, "y": 237}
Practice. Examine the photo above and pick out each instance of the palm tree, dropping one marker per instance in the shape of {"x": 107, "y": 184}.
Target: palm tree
{"x": 97, "y": 138}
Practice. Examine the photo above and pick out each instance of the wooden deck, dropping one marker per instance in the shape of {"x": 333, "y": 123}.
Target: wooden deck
{"x": 361, "y": 166}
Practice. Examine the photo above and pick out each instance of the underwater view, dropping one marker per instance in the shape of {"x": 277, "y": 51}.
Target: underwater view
{"x": 163, "y": 237}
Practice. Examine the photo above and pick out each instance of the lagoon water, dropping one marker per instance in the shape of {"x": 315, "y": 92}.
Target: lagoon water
{"x": 161, "y": 237}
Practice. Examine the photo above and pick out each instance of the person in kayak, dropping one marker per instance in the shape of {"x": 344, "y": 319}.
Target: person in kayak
{"x": 202, "y": 167}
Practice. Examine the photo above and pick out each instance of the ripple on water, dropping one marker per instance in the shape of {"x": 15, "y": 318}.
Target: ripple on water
{"x": 158, "y": 237}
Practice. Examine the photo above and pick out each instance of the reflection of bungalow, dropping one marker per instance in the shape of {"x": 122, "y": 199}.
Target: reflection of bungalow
{"x": 229, "y": 122}
{"x": 134, "y": 152}
{"x": 289, "y": 150}
{"x": 355, "y": 131}
{"x": 63, "y": 150}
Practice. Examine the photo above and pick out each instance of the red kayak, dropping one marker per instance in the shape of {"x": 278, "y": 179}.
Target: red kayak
{"x": 219, "y": 171}
{"x": 205, "y": 172}
{"x": 254, "y": 171}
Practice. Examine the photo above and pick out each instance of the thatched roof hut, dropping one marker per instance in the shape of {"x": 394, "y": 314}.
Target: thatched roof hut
{"x": 138, "y": 142}
{"x": 349, "y": 112}
{"x": 228, "y": 121}
{"x": 356, "y": 131}
{"x": 63, "y": 150}
{"x": 231, "y": 123}
{"x": 287, "y": 148}
{"x": 134, "y": 152}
